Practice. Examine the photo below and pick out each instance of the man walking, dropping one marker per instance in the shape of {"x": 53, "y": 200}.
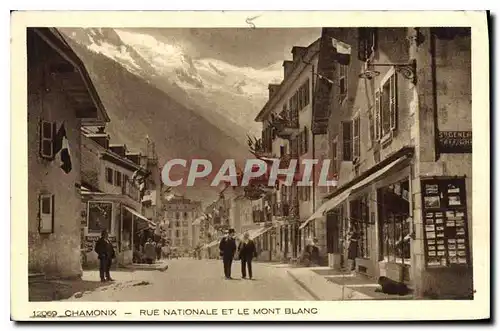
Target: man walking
{"x": 247, "y": 252}
{"x": 227, "y": 249}
{"x": 106, "y": 253}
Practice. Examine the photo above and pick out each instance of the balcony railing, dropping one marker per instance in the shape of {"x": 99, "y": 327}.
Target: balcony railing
{"x": 285, "y": 125}
{"x": 130, "y": 190}
{"x": 261, "y": 216}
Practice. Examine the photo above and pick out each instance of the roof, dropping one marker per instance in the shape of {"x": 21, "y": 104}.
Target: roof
{"x": 57, "y": 42}
{"x": 312, "y": 51}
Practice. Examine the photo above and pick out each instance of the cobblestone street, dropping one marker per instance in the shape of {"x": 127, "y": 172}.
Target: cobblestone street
{"x": 195, "y": 280}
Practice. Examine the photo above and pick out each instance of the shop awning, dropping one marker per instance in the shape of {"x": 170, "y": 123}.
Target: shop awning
{"x": 148, "y": 223}
{"x": 336, "y": 200}
{"x": 254, "y": 233}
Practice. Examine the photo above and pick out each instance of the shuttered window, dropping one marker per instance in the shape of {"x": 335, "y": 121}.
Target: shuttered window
{"x": 386, "y": 109}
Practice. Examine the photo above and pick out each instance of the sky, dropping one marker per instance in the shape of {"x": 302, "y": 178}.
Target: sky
{"x": 257, "y": 48}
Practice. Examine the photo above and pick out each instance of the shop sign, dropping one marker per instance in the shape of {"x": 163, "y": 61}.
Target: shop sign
{"x": 455, "y": 141}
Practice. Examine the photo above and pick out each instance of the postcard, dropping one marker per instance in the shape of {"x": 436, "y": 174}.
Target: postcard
{"x": 179, "y": 166}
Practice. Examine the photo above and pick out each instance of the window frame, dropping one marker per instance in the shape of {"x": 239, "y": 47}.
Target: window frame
{"x": 41, "y": 228}
{"x": 118, "y": 178}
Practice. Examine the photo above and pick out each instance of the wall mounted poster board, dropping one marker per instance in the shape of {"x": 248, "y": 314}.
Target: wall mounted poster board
{"x": 446, "y": 237}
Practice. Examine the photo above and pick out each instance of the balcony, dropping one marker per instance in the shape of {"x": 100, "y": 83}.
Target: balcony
{"x": 131, "y": 191}
{"x": 285, "y": 126}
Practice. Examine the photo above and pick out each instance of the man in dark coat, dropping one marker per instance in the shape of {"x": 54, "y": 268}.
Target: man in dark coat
{"x": 247, "y": 252}
{"x": 106, "y": 253}
{"x": 227, "y": 249}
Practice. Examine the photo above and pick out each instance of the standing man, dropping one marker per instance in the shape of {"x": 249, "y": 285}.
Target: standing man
{"x": 227, "y": 249}
{"x": 247, "y": 252}
{"x": 106, "y": 253}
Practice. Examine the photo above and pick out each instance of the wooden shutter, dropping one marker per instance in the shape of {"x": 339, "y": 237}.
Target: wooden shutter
{"x": 393, "y": 102}
{"x": 377, "y": 117}
{"x": 47, "y": 134}
{"x": 347, "y": 141}
{"x": 356, "y": 137}
{"x": 334, "y": 157}
{"x": 46, "y": 205}
{"x": 306, "y": 139}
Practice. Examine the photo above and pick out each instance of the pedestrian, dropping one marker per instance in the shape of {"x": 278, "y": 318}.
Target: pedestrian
{"x": 150, "y": 251}
{"x": 158, "y": 250}
{"x": 352, "y": 250}
{"x": 227, "y": 248}
{"x": 106, "y": 253}
{"x": 246, "y": 252}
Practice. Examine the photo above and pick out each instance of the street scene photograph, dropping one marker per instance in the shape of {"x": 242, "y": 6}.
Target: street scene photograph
{"x": 249, "y": 164}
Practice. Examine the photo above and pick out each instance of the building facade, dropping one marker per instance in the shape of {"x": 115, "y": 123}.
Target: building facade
{"x": 294, "y": 130}
{"x": 61, "y": 97}
{"x": 400, "y": 135}
{"x": 111, "y": 197}
{"x": 180, "y": 214}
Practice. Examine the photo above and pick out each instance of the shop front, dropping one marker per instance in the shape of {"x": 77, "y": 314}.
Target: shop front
{"x": 116, "y": 215}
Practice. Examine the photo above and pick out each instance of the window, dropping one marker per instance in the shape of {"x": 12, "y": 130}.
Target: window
{"x": 118, "y": 178}
{"x": 367, "y": 43}
{"x": 185, "y": 215}
{"x": 177, "y": 233}
{"x": 303, "y": 141}
{"x": 177, "y": 223}
{"x": 386, "y": 109}
{"x": 347, "y": 141}
{"x": 99, "y": 216}
{"x": 177, "y": 215}
{"x": 185, "y": 233}
{"x": 46, "y": 213}
{"x": 109, "y": 175}
{"x": 355, "y": 138}
{"x": 343, "y": 74}
{"x": 47, "y": 133}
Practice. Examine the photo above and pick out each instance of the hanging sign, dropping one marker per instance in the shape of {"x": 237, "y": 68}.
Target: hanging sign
{"x": 455, "y": 141}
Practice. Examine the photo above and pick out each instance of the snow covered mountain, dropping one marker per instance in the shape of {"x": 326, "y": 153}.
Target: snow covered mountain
{"x": 226, "y": 95}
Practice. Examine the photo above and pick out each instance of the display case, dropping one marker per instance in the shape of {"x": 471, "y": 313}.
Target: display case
{"x": 445, "y": 223}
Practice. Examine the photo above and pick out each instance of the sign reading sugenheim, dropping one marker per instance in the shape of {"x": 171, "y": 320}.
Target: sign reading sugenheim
{"x": 262, "y": 171}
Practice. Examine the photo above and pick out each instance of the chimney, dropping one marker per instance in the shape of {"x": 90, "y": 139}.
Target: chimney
{"x": 273, "y": 88}
{"x": 298, "y": 52}
{"x": 101, "y": 138}
{"x": 119, "y": 149}
{"x": 134, "y": 157}
{"x": 288, "y": 67}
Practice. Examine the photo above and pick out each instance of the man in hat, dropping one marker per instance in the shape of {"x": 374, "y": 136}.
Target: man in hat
{"x": 227, "y": 249}
{"x": 106, "y": 253}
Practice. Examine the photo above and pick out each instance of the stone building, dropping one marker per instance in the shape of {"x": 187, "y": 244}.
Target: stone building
{"x": 61, "y": 98}
{"x": 400, "y": 135}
